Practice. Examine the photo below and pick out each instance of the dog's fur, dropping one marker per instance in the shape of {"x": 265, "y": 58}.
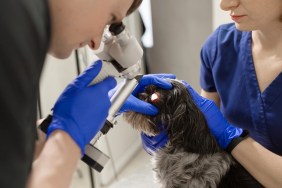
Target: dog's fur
{"x": 192, "y": 157}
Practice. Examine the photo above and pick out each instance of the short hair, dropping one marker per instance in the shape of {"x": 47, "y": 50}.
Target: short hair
{"x": 134, "y": 6}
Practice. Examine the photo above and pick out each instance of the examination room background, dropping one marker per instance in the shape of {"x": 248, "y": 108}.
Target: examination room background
{"x": 179, "y": 28}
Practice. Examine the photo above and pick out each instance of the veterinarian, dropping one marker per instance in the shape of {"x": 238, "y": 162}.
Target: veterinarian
{"x": 30, "y": 29}
{"x": 241, "y": 72}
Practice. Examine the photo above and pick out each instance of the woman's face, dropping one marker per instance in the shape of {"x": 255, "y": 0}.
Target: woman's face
{"x": 76, "y": 23}
{"x": 254, "y": 14}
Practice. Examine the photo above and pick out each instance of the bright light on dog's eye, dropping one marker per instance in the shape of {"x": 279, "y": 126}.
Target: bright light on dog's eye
{"x": 154, "y": 97}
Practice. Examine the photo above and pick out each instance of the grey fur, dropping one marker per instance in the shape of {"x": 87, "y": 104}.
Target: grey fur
{"x": 182, "y": 169}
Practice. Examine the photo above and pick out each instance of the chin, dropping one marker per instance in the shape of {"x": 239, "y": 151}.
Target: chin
{"x": 60, "y": 54}
{"x": 243, "y": 27}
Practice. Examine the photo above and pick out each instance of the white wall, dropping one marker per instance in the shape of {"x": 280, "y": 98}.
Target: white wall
{"x": 219, "y": 16}
{"x": 180, "y": 27}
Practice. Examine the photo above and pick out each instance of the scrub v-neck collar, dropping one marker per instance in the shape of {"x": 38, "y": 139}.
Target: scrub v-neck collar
{"x": 272, "y": 91}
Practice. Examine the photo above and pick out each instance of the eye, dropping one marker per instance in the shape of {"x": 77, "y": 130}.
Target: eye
{"x": 113, "y": 19}
{"x": 155, "y": 97}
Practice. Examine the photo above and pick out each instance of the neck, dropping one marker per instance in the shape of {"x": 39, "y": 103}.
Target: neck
{"x": 268, "y": 40}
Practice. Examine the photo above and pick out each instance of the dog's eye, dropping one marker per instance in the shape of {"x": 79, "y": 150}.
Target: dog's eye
{"x": 155, "y": 97}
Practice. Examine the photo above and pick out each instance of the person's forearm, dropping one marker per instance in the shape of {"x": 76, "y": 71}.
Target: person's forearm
{"x": 265, "y": 166}
{"x": 40, "y": 142}
{"x": 57, "y": 162}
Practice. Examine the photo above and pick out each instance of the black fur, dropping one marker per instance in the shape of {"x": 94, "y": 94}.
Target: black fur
{"x": 190, "y": 138}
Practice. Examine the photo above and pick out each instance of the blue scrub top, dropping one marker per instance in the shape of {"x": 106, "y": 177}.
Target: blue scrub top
{"x": 228, "y": 69}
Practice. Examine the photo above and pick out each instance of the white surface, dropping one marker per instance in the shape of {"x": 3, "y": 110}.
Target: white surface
{"x": 146, "y": 14}
{"x": 138, "y": 173}
{"x": 219, "y": 16}
{"x": 121, "y": 146}
{"x": 179, "y": 29}
{"x": 56, "y": 75}
{"x": 81, "y": 178}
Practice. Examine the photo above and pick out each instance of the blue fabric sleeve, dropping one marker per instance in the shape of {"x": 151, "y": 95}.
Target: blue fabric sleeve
{"x": 208, "y": 54}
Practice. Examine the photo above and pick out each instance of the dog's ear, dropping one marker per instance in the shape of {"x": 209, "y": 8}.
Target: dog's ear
{"x": 182, "y": 127}
{"x": 188, "y": 128}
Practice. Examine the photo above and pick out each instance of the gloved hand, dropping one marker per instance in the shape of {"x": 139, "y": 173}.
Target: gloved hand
{"x": 220, "y": 128}
{"x": 137, "y": 105}
{"x": 153, "y": 143}
{"x": 150, "y": 143}
{"x": 81, "y": 110}
{"x": 223, "y": 132}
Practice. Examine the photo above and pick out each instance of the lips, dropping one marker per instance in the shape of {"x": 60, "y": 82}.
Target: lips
{"x": 236, "y": 18}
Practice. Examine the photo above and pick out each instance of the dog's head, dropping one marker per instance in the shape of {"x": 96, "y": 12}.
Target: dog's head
{"x": 184, "y": 123}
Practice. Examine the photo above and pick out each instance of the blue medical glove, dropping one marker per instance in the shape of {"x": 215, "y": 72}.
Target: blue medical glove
{"x": 137, "y": 105}
{"x": 223, "y": 132}
{"x": 150, "y": 143}
{"x": 153, "y": 143}
{"x": 81, "y": 110}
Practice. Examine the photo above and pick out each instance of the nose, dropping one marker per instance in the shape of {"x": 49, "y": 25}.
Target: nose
{"x": 227, "y": 5}
{"x": 94, "y": 44}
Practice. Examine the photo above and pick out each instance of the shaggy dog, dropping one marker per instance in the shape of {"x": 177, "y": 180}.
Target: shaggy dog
{"x": 192, "y": 157}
